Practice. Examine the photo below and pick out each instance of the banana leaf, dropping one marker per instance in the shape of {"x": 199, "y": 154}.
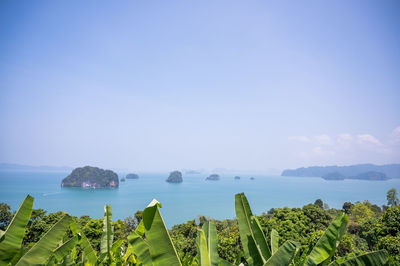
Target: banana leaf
{"x": 64, "y": 249}
{"x": 66, "y": 261}
{"x": 327, "y": 244}
{"x": 108, "y": 232}
{"x": 274, "y": 241}
{"x": 129, "y": 255}
{"x": 162, "y": 249}
{"x": 73, "y": 254}
{"x": 141, "y": 248}
{"x": 372, "y": 258}
{"x": 116, "y": 250}
{"x": 42, "y": 250}
{"x": 260, "y": 238}
{"x": 88, "y": 250}
{"x": 204, "y": 255}
{"x": 210, "y": 232}
{"x": 238, "y": 258}
{"x": 116, "y": 246}
{"x": 140, "y": 229}
{"x": 51, "y": 261}
{"x": 223, "y": 262}
{"x": 252, "y": 253}
{"x": 12, "y": 237}
{"x": 284, "y": 255}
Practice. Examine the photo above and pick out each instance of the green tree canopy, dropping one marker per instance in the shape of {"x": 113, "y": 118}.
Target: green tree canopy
{"x": 392, "y": 198}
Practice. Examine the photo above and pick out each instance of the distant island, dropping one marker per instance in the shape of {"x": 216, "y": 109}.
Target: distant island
{"x": 360, "y": 171}
{"x": 91, "y": 177}
{"x": 371, "y": 175}
{"x": 30, "y": 168}
{"x": 122, "y": 179}
{"x": 213, "y": 177}
{"x": 192, "y": 172}
{"x": 237, "y": 177}
{"x": 175, "y": 177}
{"x": 334, "y": 176}
{"x": 252, "y": 178}
{"x": 132, "y": 176}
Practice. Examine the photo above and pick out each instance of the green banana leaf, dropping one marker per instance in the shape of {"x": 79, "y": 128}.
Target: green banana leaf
{"x": 42, "y": 250}
{"x": 162, "y": 249}
{"x": 260, "y": 238}
{"x": 116, "y": 250}
{"x": 210, "y": 231}
{"x": 274, "y": 241}
{"x": 12, "y": 237}
{"x": 141, "y": 248}
{"x": 67, "y": 261}
{"x": 51, "y": 261}
{"x": 304, "y": 255}
{"x": 372, "y": 258}
{"x": 238, "y": 258}
{"x": 65, "y": 248}
{"x": 327, "y": 244}
{"x": 284, "y": 255}
{"x": 129, "y": 255}
{"x": 223, "y": 262}
{"x": 73, "y": 254}
{"x": 117, "y": 244}
{"x": 88, "y": 250}
{"x": 204, "y": 255}
{"x": 140, "y": 229}
{"x": 252, "y": 253}
{"x": 108, "y": 232}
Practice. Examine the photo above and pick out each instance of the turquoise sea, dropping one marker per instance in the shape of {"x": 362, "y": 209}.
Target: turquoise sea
{"x": 185, "y": 201}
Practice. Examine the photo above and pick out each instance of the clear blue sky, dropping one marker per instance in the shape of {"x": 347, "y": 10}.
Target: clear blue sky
{"x": 163, "y": 85}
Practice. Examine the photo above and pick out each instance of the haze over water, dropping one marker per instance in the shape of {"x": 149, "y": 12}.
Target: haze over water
{"x": 185, "y": 201}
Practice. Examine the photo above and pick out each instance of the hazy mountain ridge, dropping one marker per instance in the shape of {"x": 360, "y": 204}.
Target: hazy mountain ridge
{"x": 390, "y": 170}
{"x": 21, "y": 167}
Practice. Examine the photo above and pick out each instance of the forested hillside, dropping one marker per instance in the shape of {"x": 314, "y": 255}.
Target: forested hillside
{"x": 359, "y": 228}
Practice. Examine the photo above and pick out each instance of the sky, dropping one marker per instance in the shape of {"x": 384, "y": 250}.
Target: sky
{"x": 164, "y": 85}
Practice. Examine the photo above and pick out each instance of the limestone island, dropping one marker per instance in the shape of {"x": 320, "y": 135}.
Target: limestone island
{"x": 175, "y": 177}
{"x": 91, "y": 177}
{"x": 371, "y": 175}
{"x": 132, "y": 176}
{"x": 122, "y": 179}
{"x": 213, "y": 177}
{"x": 237, "y": 177}
{"x": 334, "y": 176}
{"x": 252, "y": 178}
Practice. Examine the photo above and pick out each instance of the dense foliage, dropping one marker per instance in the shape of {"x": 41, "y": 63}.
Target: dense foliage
{"x": 369, "y": 228}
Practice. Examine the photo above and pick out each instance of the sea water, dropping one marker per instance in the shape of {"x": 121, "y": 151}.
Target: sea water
{"x": 185, "y": 201}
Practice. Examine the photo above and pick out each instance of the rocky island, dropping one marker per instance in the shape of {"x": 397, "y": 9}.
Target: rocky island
{"x": 175, "y": 177}
{"x": 237, "y": 177}
{"x": 371, "y": 175}
{"x": 132, "y": 176}
{"x": 359, "y": 171}
{"x": 91, "y": 177}
{"x": 213, "y": 177}
{"x": 334, "y": 176}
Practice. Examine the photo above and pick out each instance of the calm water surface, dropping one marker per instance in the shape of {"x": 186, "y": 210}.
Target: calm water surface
{"x": 185, "y": 201}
